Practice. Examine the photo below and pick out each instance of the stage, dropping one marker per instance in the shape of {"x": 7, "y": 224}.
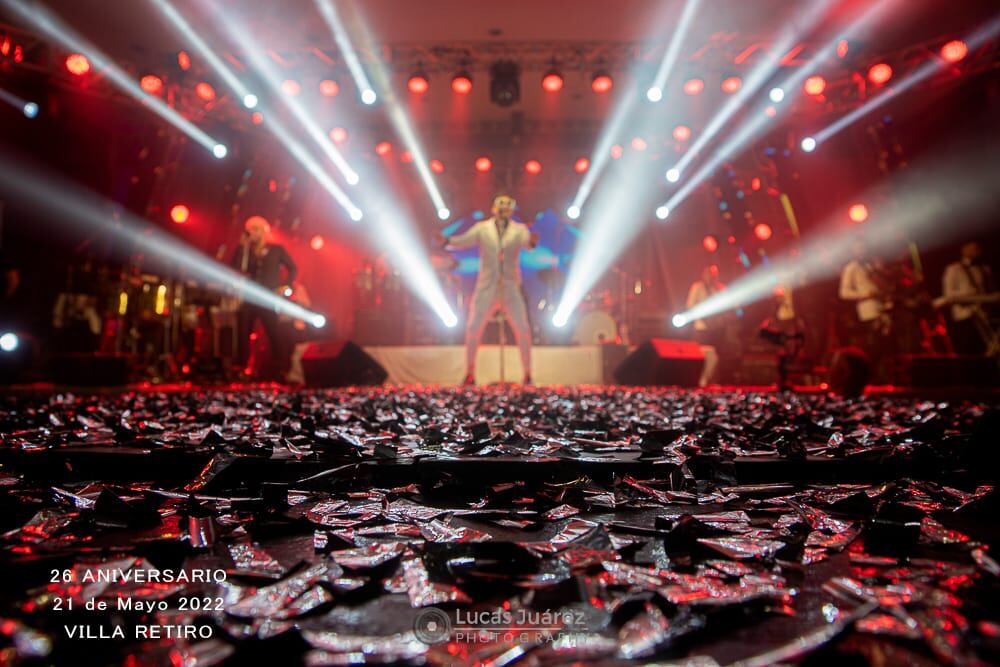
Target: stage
{"x": 445, "y": 364}
{"x": 447, "y": 526}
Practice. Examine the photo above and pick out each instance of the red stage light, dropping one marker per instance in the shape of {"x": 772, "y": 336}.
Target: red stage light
{"x": 180, "y": 214}
{"x": 418, "y": 84}
{"x": 858, "y": 213}
{"x": 462, "y": 84}
{"x": 582, "y": 165}
{"x": 329, "y": 88}
{"x": 762, "y": 231}
{"x": 533, "y": 167}
{"x": 616, "y": 152}
{"x": 732, "y": 84}
{"x": 710, "y": 243}
{"x": 77, "y": 64}
{"x": 291, "y": 87}
{"x": 954, "y": 51}
{"x": 316, "y": 242}
{"x": 814, "y": 85}
{"x": 755, "y": 183}
{"x": 879, "y": 74}
{"x": 183, "y": 60}
{"x": 383, "y": 148}
{"x": 257, "y": 118}
{"x": 771, "y": 112}
{"x": 842, "y": 48}
{"x": 152, "y": 84}
{"x": 682, "y": 133}
{"x": 437, "y": 166}
{"x": 552, "y": 82}
{"x": 205, "y": 91}
{"x": 638, "y": 144}
{"x": 406, "y": 156}
{"x": 338, "y": 135}
{"x": 601, "y": 83}
{"x": 483, "y": 164}
{"x": 694, "y": 86}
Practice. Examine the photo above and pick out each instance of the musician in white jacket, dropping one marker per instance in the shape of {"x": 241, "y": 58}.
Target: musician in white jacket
{"x": 498, "y": 286}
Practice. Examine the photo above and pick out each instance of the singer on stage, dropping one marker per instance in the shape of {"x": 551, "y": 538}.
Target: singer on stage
{"x": 498, "y": 286}
{"x": 263, "y": 262}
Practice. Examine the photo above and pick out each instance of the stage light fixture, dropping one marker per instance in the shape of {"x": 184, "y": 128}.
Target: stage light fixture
{"x": 220, "y": 151}
{"x": 682, "y": 133}
{"x": 533, "y": 167}
{"x": 368, "y": 96}
{"x": 616, "y": 152}
{"x": 814, "y": 85}
{"x": 505, "y": 84}
{"x": 318, "y": 321}
{"x": 843, "y": 46}
{"x": 152, "y": 84}
{"x": 418, "y": 83}
{"x": 483, "y": 164}
{"x": 383, "y": 148}
{"x": 30, "y": 109}
{"x": 291, "y": 87}
{"x": 776, "y": 95}
{"x": 180, "y": 214}
{"x": 879, "y": 74}
{"x": 808, "y": 144}
{"x": 858, "y": 213}
{"x": 552, "y": 82}
{"x": 654, "y": 94}
{"x": 204, "y": 91}
{"x": 329, "y": 88}
{"x": 437, "y": 166}
{"x": 655, "y": 91}
{"x": 732, "y": 84}
{"x": 338, "y": 135}
{"x": 461, "y": 83}
{"x": 710, "y": 243}
{"x": 678, "y": 321}
{"x": 638, "y": 144}
{"x": 601, "y": 83}
{"x": 662, "y": 212}
{"x": 954, "y": 51}
{"x": 443, "y": 214}
{"x": 762, "y": 231}
{"x": 250, "y": 101}
{"x": 573, "y": 212}
{"x": 673, "y": 175}
{"x": 183, "y": 60}
{"x": 9, "y": 342}
{"x": 694, "y": 86}
{"x": 316, "y": 242}
{"x": 77, "y": 64}
{"x": 581, "y": 165}
{"x": 256, "y": 118}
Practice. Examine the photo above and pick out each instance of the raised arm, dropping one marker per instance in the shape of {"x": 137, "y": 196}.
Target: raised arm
{"x": 467, "y": 239}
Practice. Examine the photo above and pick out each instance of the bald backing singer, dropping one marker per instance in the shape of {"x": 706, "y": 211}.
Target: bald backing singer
{"x": 498, "y": 286}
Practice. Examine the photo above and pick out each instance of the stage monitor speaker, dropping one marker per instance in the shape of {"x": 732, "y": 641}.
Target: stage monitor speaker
{"x": 340, "y": 364}
{"x": 662, "y": 362}
{"x": 91, "y": 370}
{"x": 850, "y": 372}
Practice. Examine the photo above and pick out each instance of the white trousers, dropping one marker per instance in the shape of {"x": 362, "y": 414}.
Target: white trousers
{"x": 486, "y": 301}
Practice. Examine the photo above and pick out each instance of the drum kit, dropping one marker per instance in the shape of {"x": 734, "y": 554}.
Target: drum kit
{"x": 165, "y": 323}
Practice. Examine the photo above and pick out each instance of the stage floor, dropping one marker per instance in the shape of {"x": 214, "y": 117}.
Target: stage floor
{"x": 452, "y": 526}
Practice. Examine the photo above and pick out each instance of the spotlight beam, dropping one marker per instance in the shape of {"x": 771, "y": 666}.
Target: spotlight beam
{"x": 402, "y": 125}
{"x": 954, "y": 190}
{"x": 71, "y": 204}
{"x": 673, "y": 49}
{"x": 53, "y": 27}
{"x": 243, "y": 94}
{"x": 265, "y": 68}
{"x": 329, "y": 13}
{"x": 745, "y": 133}
{"x": 29, "y": 109}
{"x": 982, "y": 36}
{"x": 755, "y": 80}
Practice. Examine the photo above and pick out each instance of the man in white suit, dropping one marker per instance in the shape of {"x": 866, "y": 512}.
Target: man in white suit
{"x": 498, "y": 286}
